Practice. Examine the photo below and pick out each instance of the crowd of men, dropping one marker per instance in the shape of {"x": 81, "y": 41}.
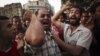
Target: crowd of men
{"x": 75, "y": 33}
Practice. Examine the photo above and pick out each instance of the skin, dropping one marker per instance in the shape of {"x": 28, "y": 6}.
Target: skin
{"x": 87, "y": 20}
{"x": 35, "y": 34}
{"x": 74, "y": 16}
{"x": 44, "y": 17}
{"x": 16, "y": 22}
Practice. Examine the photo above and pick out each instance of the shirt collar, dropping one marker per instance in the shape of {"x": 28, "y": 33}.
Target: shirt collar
{"x": 79, "y": 28}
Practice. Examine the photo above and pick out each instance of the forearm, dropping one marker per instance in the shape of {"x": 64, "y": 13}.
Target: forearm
{"x": 35, "y": 32}
{"x": 55, "y": 17}
{"x": 66, "y": 6}
{"x": 54, "y": 20}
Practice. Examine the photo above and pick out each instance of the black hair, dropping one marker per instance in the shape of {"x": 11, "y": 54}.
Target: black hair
{"x": 16, "y": 17}
{"x": 3, "y": 18}
{"x": 37, "y": 11}
{"x": 80, "y": 8}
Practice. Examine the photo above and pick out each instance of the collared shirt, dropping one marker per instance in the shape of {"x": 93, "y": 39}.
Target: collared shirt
{"x": 49, "y": 48}
{"x": 82, "y": 36}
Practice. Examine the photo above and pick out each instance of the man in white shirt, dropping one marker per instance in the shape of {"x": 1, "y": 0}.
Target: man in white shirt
{"x": 77, "y": 37}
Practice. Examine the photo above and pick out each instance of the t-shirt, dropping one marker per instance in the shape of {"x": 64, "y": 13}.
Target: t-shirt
{"x": 12, "y": 52}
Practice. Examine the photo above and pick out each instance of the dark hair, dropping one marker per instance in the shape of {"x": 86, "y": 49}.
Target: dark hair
{"x": 16, "y": 17}
{"x": 37, "y": 11}
{"x": 93, "y": 8}
{"x": 80, "y": 8}
{"x": 3, "y": 18}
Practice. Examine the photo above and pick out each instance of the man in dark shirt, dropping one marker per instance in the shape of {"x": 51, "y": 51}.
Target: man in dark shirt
{"x": 8, "y": 47}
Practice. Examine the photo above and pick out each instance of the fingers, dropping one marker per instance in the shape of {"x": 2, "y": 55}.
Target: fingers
{"x": 55, "y": 33}
{"x": 67, "y": 5}
{"x": 20, "y": 36}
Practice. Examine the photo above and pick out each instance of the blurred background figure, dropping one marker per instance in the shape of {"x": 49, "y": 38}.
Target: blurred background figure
{"x": 96, "y": 30}
{"x": 87, "y": 19}
{"x": 17, "y": 25}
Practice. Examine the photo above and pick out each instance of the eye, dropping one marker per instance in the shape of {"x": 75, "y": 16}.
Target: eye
{"x": 42, "y": 16}
{"x": 48, "y": 15}
{"x": 9, "y": 25}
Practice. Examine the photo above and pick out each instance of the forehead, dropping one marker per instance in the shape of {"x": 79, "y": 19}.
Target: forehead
{"x": 43, "y": 11}
{"x": 75, "y": 9}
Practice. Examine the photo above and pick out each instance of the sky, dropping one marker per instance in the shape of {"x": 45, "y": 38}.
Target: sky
{"x": 55, "y": 3}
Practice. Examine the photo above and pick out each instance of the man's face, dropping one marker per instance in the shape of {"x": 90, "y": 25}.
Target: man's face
{"x": 86, "y": 16}
{"x": 44, "y": 17}
{"x": 16, "y": 22}
{"x": 74, "y": 16}
{"x": 7, "y": 30}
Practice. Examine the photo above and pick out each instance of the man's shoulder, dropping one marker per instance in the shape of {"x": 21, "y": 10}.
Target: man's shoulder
{"x": 84, "y": 29}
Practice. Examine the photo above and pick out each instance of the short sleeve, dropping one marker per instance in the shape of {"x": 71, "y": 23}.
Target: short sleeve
{"x": 85, "y": 39}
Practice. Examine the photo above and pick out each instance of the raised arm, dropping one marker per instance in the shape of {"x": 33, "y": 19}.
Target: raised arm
{"x": 35, "y": 32}
{"x": 66, "y": 6}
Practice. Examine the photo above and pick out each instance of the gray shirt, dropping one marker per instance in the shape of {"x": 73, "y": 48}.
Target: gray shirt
{"x": 82, "y": 36}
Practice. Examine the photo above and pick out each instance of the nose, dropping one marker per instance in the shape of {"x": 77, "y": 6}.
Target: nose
{"x": 73, "y": 14}
{"x": 45, "y": 17}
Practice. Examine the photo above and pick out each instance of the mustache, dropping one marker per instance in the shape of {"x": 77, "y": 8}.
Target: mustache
{"x": 72, "y": 20}
{"x": 45, "y": 21}
{"x": 73, "y": 17}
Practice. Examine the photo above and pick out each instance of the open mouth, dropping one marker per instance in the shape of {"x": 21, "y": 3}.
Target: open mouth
{"x": 45, "y": 23}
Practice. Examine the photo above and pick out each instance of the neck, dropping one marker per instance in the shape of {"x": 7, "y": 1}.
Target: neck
{"x": 74, "y": 27}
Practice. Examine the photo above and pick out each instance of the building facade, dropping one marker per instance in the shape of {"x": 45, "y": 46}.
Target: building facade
{"x": 10, "y": 10}
{"x": 34, "y": 5}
